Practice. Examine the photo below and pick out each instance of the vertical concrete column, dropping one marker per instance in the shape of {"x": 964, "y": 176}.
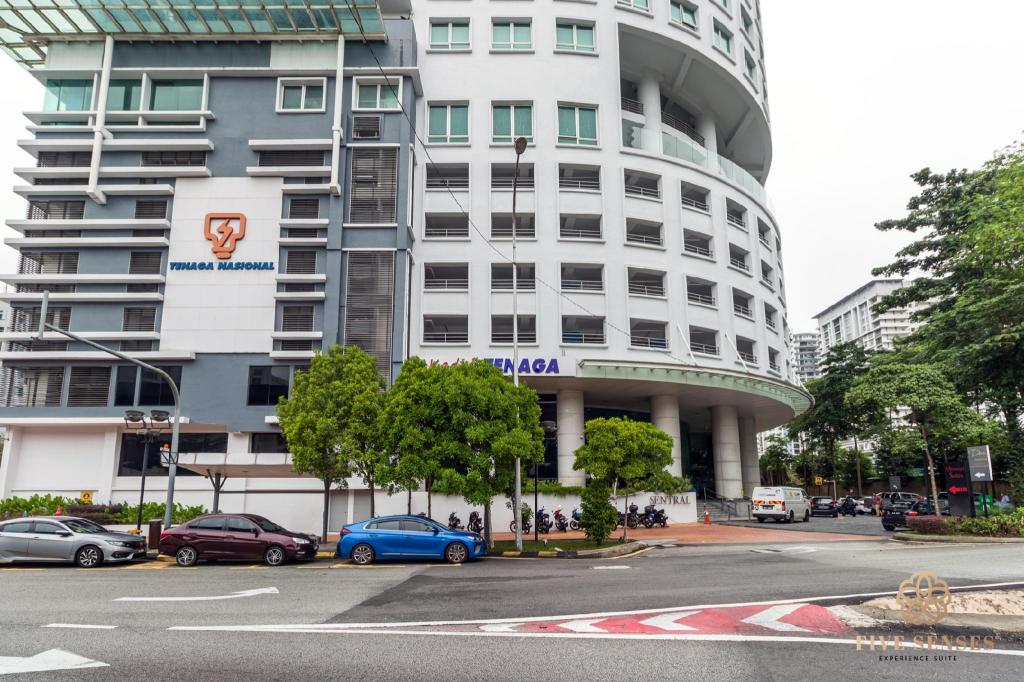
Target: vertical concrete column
{"x": 706, "y": 127}
{"x": 11, "y": 453}
{"x": 748, "y": 455}
{"x": 649, "y": 91}
{"x": 569, "y": 407}
{"x": 665, "y": 415}
{"x": 725, "y": 440}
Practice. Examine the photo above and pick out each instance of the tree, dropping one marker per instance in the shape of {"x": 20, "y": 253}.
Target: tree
{"x": 854, "y": 466}
{"x": 897, "y": 450}
{"x": 323, "y": 420}
{"x": 776, "y": 460}
{"x": 597, "y": 514}
{"x": 617, "y": 448}
{"x": 929, "y": 399}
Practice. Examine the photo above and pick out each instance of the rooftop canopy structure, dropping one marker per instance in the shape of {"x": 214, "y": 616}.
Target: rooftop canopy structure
{"x": 28, "y": 26}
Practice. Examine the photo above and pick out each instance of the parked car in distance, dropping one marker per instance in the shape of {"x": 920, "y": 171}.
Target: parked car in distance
{"x": 235, "y": 537}
{"x": 896, "y": 517}
{"x": 779, "y": 503}
{"x": 864, "y": 505}
{"x": 66, "y": 539}
{"x": 897, "y": 499}
{"x": 824, "y": 506}
{"x": 407, "y": 537}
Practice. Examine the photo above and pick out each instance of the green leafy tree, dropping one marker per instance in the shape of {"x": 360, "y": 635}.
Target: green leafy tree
{"x": 617, "y": 449}
{"x": 897, "y": 450}
{"x": 597, "y": 514}
{"x": 776, "y": 460}
{"x": 930, "y": 400}
{"x": 323, "y": 420}
{"x": 854, "y": 467}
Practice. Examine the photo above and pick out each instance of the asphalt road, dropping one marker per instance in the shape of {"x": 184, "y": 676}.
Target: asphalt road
{"x": 864, "y": 524}
{"x": 141, "y": 643}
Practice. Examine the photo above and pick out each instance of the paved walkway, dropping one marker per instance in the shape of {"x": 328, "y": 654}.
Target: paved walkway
{"x": 716, "y": 533}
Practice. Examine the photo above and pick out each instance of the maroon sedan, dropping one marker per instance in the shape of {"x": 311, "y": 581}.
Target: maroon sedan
{"x": 235, "y": 537}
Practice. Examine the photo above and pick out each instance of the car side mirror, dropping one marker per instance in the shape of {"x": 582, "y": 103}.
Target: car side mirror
{"x": 436, "y": 531}
{"x": 256, "y": 531}
{"x": 65, "y": 534}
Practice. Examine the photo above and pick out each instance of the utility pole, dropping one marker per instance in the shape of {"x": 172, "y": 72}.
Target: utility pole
{"x": 518, "y": 502}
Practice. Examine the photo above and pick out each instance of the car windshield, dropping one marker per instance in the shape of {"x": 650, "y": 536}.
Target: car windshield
{"x": 84, "y": 526}
{"x": 265, "y": 524}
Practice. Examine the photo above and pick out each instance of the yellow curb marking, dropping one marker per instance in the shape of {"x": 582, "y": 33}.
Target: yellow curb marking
{"x": 345, "y": 565}
{"x": 146, "y": 567}
{"x": 625, "y": 556}
{"x": 254, "y": 567}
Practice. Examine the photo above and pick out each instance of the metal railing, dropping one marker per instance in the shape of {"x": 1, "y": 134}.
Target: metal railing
{"x": 749, "y": 357}
{"x": 446, "y": 337}
{"x": 647, "y": 289}
{"x": 632, "y": 106}
{"x": 446, "y": 232}
{"x": 739, "y": 263}
{"x": 694, "y": 203}
{"x": 736, "y": 219}
{"x": 505, "y": 283}
{"x": 647, "y": 341}
{"x": 525, "y": 182}
{"x": 773, "y": 365}
{"x": 697, "y": 248}
{"x": 767, "y": 282}
{"x": 506, "y": 337}
{"x": 448, "y": 183}
{"x": 579, "y": 183}
{"x": 644, "y": 239}
{"x": 704, "y": 299}
{"x": 683, "y": 127}
{"x": 705, "y": 348}
{"x": 649, "y": 192}
{"x": 582, "y": 285}
{"x": 764, "y": 241}
{"x": 579, "y": 233}
{"x": 770, "y": 323}
{"x": 441, "y": 283}
{"x": 743, "y": 310}
{"x": 522, "y": 232}
{"x": 582, "y": 337}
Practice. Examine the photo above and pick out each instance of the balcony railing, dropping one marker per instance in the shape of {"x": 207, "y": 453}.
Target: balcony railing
{"x": 697, "y": 248}
{"x": 448, "y": 183}
{"x": 703, "y": 299}
{"x": 579, "y": 183}
{"x": 582, "y": 285}
{"x": 582, "y": 337}
{"x": 505, "y": 232}
{"x": 767, "y": 282}
{"x": 761, "y": 238}
{"x": 747, "y": 356}
{"x": 705, "y": 348}
{"x": 638, "y": 191}
{"x": 505, "y": 283}
{"x": 644, "y": 239}
{"x": 736, "y": 219}
{"x": 739, "y": 263}
{"x": 647, "y": 289}
{"x": 694, "y": 203}
{"x": 506, "y": 183}
{"x": 648, "y": 341}
{"x": 579, "y": 233}
{"x": 632, "y": 106}
{"x": 772, "y": 365}
{"x": 683, "y": 127}
{"x": 441, "y": 283}
{"x": 446, "y": 231}
{"x": 770, "y": 323}
{"x": 506, "y": 337}
{"x": 743, "y": 310}
{"x": 446, "y": 337}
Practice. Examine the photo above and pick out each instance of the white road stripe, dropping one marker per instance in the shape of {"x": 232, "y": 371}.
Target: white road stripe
{"x": 80, "y": 626}
{"x": 667, "y": 621}
{"x": 500, "y": 627}
{"x": 233, "y": 595}
{"x": 608, "y": 568}
{"x": 583, "y": 626}
{"x": 769, "y": 618}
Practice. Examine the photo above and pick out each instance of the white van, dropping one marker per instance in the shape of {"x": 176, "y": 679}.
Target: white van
{"x": 780, "y": 503}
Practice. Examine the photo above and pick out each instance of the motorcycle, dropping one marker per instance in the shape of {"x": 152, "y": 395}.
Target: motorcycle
{"x": 543, "y": 521}
{"x": 561, "y": 523}
{"x": 574, "y": 522}
{"x": 525, "y": 515}
{"x": 654, "y": 517}
{"x": 476, "y": 524}
{"x": 632, "y": 519}
{"x": 454, "y": 522}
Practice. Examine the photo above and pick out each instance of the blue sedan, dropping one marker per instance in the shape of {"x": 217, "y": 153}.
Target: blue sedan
{"x": 404, "y": 537}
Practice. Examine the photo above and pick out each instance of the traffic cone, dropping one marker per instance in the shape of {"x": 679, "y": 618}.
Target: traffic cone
{"x": 707, "y": 516}
{"x": 57, "y": 512}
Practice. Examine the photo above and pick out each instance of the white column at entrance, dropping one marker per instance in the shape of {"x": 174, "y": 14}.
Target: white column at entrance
{"x": 649, "y": 91}
{"x": 665, "y": 415}
{"x": 706, "y": 128}
{"x": 569, "y": 408}
{"x": 748, "y": 455}
{"x": 7, "y": 463}
{"x": 725, "y": 441}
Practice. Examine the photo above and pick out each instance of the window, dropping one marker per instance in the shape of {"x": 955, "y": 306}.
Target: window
{"x": 150, "y": 209}
{"x": 304, "y": 209}
{"x": 237, "y": 525}
{"x": 144, "y": 263}
{"x": 48, "y": 263}
{"x": 124, "y": 94}
{"x": 374, "y": 186}
{"x": 511, "y": 35}
{"x": 449, "y": 35}
{"x": 47, "y": 528}
{"x": 511, "y": 121}
{"x": 153, "y": 388}
{"x": 63, "y": 159}
{"x": 722, "y": 39}
{"x": 684, "y": 13}
{"x": 297, "y": 318}
{"x": 267, "y": 383}
{"x": 574, "y": 37}
{"x": 749, "y": 67}
{"x": 577, "y": 125}
{"x": 267, "y": 442}
{"x": 300, "y": 262}
{"x": 89, "y": 387}
{"x": 409, "y": 525}
{"x": 379, "y": 94}
{"x": 642, "y": 5}
{"x": 215, "y": 523}
{"x": 124, "y": 386}
{"x": 385, "y": 525}
{"x": 300, "y": 95}
{"x": 448, "y": 124}
{"x": 68, "y": 95}
{"x": 176, "y": 95}
{"x": 139, "y": 319}
{"x": 17, "y": 527}
{"x": 174, "y": 158}
{"x": 291, "y": 157}
{"x": 56, "y": 210}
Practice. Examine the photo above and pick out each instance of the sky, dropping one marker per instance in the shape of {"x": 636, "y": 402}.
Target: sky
{"x": 861, "y": 96}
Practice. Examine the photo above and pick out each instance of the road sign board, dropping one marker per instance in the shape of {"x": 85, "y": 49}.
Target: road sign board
{"x": 818, "y": 480}
{"x": 85, "y": 496}
{"x": 980, "y": 463}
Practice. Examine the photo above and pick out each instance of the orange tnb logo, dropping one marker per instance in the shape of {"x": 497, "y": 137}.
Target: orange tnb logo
{"x": 224, "y": 230}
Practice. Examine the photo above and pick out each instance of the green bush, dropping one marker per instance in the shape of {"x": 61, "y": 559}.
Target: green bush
{"x": 37, "y": 505}
{"x": 597, "y": 515}
{"x": 155, "y": 510}
{"x": 930, "y": 525}
{"x": 996, "y": 525}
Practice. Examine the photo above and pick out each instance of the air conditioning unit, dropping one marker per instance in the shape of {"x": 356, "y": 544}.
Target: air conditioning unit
{"x": 366, "y": 127}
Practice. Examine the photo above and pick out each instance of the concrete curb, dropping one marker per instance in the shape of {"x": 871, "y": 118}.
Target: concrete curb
{"x": 980, "y": 621}
{"x": 603, "y": 553}
{"x": 917, "y": 537}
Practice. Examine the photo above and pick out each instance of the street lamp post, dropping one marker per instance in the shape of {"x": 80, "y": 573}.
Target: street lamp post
{"x": 175, "y": 425}
{"x": 520, "y": 146}
{"x": 147, "y": 432}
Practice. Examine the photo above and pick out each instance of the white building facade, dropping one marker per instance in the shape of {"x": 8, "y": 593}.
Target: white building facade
{"x": 854, "y": 319}
{"x": 805, "y": 359}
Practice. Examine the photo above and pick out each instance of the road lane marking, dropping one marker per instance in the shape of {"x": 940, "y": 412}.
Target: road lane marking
{"x": 667, "y": 621}
{"x": 769, "y": 618}
{"x": 642, "y": 550}
{"x": 345, "y": 565}
{"x": 233, "y": 595}
{"x": 80, "y": 626}
{"x": 583, "y": 625}
{"x": 500, "y": 627}
{"x": 608, "y": 568}
{"x": 53, "y": 659}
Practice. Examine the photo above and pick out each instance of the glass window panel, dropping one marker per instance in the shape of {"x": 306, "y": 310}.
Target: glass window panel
{"x": 258, "y": 20}
{"x": 460, "y": 122}
{"x": 388, "y": 97}
{"x": 564, "y": 37}
{"x": 438, "y": 34}
{"x": 588, "y": 125}
{"x": 585, "y": 38}
{"x": 68, "y": 95}
{"x": 521, "y": 36}
{"x": 213, "y": 20}
{"x": 302, "y": 20}
{"x": 291, "y": 98}
{"x": 103, "y": 20}
{"x": 567, "y": 122}
{"x": 124, "y": 95}
{"x": 170, "y": 20}
{"x": 502, "y": 123}
{"x": 500, "y": 37}
{"x": 126, "y": 20}
{"x": 314, "y": 96}
{"x": 524, "y": 122}
{"x": 176, "y": 95}
{"x": 280, "y": 19}
{"x": 460, "y": 35}
{"x": 367, "y": 97}
{"x": 438, "y": 125}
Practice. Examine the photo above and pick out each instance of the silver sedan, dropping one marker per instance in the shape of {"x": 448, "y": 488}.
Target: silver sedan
{"x": 66, "y": 539}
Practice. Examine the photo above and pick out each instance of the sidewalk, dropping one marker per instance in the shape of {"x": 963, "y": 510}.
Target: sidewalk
{"x": 714, "y": 534}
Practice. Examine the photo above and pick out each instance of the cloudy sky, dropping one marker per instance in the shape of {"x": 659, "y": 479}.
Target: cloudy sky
{"x": 861, "y": 96}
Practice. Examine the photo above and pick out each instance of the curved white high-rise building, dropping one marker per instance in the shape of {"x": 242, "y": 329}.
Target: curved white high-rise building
{"x": 650, "y": 272}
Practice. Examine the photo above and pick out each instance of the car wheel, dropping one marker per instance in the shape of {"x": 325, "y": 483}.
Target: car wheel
{"x": 807, "y": 516}
{"x": 186, "y": 556}
{"x": 760, "y": 519}
{"x": 888, "y": 527}
{"x": 362, "y": 554}
{"x": 89, "y": 556}
{"x": 274, "y": 556}
{"x": 791, "y": 517}
{"x": 456, "y": 553}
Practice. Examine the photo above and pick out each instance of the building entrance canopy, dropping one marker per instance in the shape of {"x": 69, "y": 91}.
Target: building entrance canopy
{"x": 28, "y": 26}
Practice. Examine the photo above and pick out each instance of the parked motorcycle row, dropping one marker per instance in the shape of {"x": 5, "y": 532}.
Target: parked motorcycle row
{"x": 650, "y": 518}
